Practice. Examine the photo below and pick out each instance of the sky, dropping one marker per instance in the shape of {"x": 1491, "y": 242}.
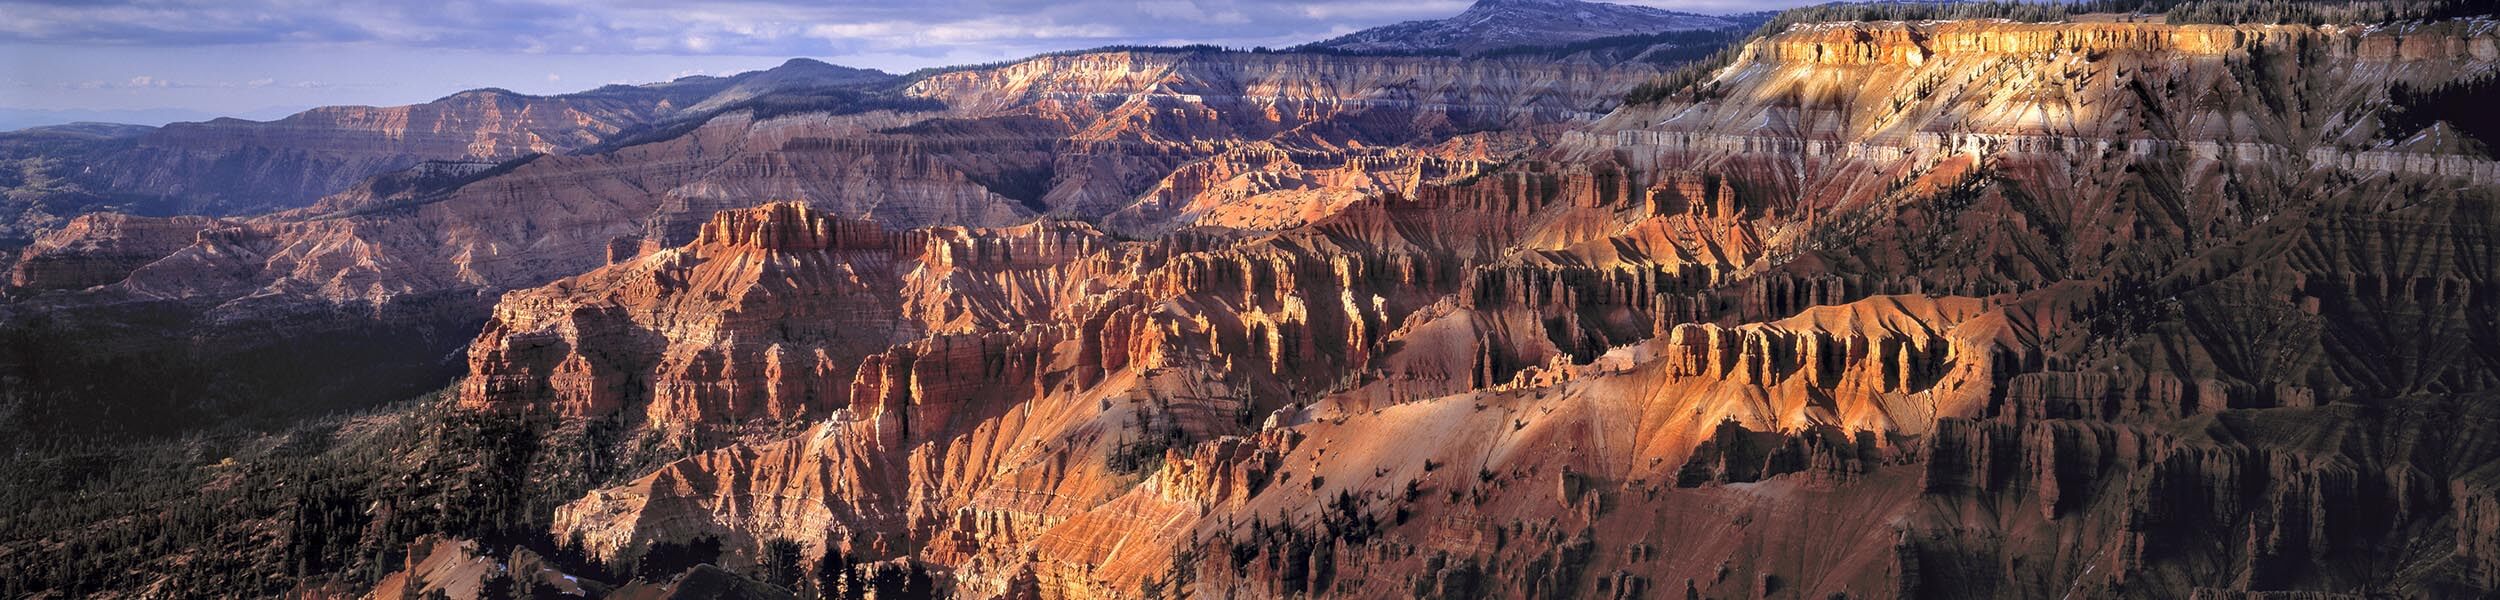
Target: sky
{"x": 156, "y": 60}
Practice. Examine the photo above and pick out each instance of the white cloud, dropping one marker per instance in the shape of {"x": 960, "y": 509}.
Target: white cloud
{"x": 1222, "y": 12}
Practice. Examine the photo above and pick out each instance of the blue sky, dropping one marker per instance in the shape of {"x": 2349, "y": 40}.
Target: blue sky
{"x": 262, "y": 58}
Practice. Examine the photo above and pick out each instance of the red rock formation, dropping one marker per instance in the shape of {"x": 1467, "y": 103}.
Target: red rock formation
{"x": 1965, "y": 309}
{"x": 1009, "y": 145}
{"x": 99, "y": 249}
{"x": 1894, "y": 364}
{"x": 766, "y": 315}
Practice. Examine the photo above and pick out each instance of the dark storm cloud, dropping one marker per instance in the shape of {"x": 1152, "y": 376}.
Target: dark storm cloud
{"x": 752, "y": 27}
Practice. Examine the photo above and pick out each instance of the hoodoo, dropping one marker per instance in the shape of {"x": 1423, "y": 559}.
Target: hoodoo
{"x": 1550, "y": 299}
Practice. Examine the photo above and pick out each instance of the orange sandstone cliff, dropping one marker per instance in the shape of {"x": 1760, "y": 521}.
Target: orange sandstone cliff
{"x": 1946, "y": 309}
{"x": 1958, "y": 309}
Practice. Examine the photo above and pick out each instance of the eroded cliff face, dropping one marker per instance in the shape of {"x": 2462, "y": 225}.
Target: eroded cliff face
{"x": 100, "y": 248}
{"x": 1081, "y": 135}
{"x": 1942, "y": 310}
{"x": 1962, "y": 309}
{"x": 1211, "y": 96}
{"x": 431, "y": 247}
{"x": 766, "y": 315}
{"x": 1163, "y": 137}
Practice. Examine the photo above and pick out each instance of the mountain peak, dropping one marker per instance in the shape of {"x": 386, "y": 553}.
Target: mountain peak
{"x": 1491, "y": 24}
{"x": 484, "y": 94}
{"x": 1485, "y": 4}
{"x": 812, "y": 69}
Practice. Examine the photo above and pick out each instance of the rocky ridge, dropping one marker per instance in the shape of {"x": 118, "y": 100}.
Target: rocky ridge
{"x": 228, "y": 167}
{"x": 1011, "y": 144}
{"x": 1949, "y": 309}
{"x": 1656, "y": 339}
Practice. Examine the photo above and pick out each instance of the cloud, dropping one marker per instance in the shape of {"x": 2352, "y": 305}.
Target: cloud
{"x": 151, "y": 82}
{"x": 720, "y": 27}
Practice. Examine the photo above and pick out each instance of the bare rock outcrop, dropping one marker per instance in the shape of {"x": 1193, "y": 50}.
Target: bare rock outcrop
{"x": 1942, "y": 309}
{"x": 776, "y": 312}
{"x": 99, "y": 249}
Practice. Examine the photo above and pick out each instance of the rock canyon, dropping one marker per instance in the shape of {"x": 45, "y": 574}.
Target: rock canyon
{"x": 1928, "y": 304}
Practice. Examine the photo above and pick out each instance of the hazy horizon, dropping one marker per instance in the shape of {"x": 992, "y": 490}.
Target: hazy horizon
{"x": 266, "y": 58}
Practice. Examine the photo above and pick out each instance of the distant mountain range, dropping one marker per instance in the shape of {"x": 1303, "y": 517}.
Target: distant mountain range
{"x": 1487, "y": 25}
{"x": 182, "y": 162}
{"x": 1496, "y": 24}
{"x": 228, "y": 166}
{"x": 13, "y": 119}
